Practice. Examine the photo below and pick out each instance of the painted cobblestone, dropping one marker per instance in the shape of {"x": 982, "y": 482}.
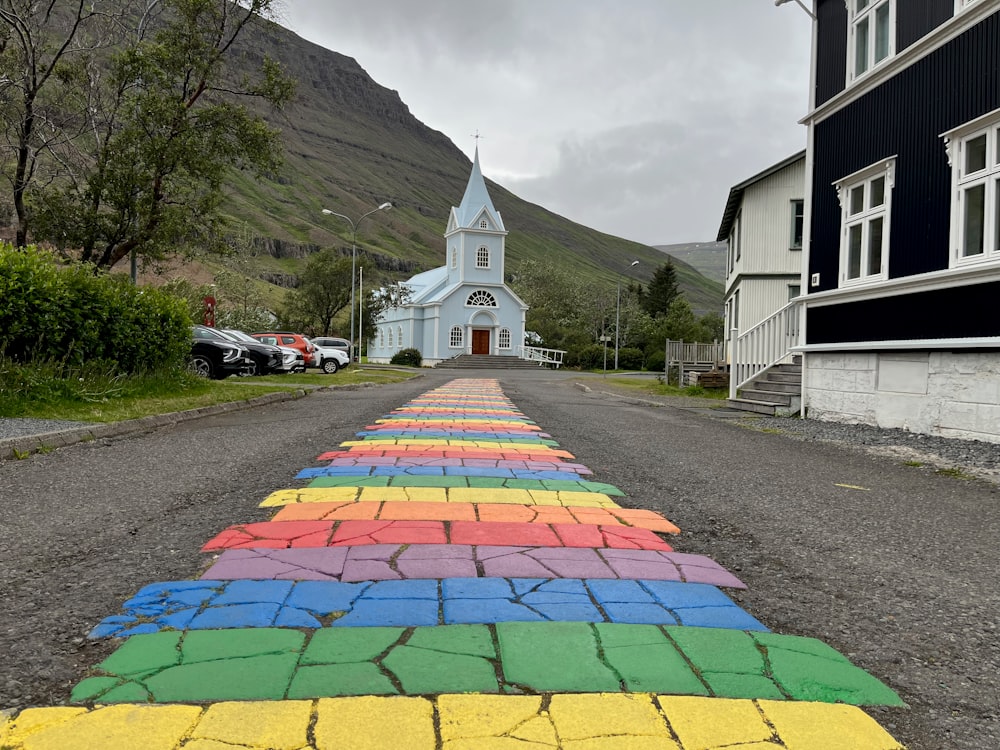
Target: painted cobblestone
{"x": 398, "y": 561}
{"x": 497, "y": 495}
{"x": 426, "y": 595}
{"x": 465, "y": 722}
{"x": 275, "y": 664}
{"x": 289, "y": 534}
{"x": 211, "y": 605}
{"x": 488, "y": 512}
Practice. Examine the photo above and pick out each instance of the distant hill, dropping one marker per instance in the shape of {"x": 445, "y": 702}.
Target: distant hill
{"x": 352, "y": 144}
{"x": 708, "y": 258}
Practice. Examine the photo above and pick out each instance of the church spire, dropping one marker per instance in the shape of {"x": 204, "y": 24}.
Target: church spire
{"x": 476, "y": 196}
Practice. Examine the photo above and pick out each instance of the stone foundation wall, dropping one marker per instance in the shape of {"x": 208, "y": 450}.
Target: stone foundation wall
{"x": 951, "y": 394}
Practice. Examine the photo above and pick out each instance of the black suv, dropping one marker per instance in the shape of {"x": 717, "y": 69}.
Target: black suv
{"x": 217, "y": 357}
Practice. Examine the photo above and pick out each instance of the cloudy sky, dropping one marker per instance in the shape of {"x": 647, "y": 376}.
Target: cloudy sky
{"x": 633, "y": 117}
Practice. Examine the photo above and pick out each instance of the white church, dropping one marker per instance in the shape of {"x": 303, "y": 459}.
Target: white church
{"x": 463, "y": 307}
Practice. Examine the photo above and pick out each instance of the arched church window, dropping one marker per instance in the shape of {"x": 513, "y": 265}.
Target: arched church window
{"x": 390, "y": 337}
{"x": 483, "y": 224}
{"x": 381, "y": 338}
{"x": 504, "y": 338}
{"x": 481, "y": 298}
{"x": 483, "y": 257}
{"x": 456, "y": 337}
{"x": 399, "y": 337}
{"x": 454, "y": 257}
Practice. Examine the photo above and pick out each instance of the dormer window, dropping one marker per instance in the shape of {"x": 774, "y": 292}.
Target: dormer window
{"x": 872, "y": 34}
{"x": 483, "y": 257}
{"x": 483, "y": 224}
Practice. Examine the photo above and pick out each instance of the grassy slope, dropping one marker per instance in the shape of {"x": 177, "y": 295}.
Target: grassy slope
{"x": 352, "y": 144}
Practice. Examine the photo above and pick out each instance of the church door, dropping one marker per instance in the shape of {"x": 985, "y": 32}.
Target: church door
{"x": 480, "y": 341}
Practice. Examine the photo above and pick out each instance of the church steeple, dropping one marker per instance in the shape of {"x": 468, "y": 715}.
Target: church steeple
{"x": 476, "y": 198}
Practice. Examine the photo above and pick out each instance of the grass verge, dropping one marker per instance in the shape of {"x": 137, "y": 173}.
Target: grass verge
{"x": 52, "y": 391}
{"x": 655, "y": 388}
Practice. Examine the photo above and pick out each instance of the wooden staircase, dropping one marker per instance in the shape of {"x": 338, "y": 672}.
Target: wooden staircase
{"x": 776, "y": 392}
{"x": 486, "y": 362}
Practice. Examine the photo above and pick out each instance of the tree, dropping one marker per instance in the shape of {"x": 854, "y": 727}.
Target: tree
{"x": 164, "y": 132}
{"x": 324, "y": 290}
{"x": 42, "y": 60}
{"x": 662, "y": 291}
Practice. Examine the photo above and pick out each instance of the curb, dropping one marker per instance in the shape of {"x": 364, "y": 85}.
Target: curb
{"x": 46, "y": 442}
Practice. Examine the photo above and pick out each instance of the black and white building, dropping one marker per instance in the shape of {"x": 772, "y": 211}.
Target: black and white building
{"x": 901, "y": 254}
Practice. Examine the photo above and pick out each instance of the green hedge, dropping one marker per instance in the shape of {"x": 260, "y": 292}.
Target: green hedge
{"x": 407, "y": 357}
{"x": 55, "y": 313}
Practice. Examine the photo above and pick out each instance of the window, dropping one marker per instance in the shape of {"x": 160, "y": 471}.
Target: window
{"x": 454, "y": 257}
{"x": 483, "y": 257}
{"x": 390, "y": 337}
{"x": 481, "y": 298}
{"x": 974, "y": 152}
{"x": 794, "y": 290}
{"x": 796, "y": 235}
{"x": 455, "y": 338}
{"x": 504, "y": 338}
{"x": 865, "y": 200}
{"x": 872, "y": 34}
{"x": 734, "y": 243}
{"x": 399, "y": 337}
{"x": 483, "y": 224}
{"x": 381, "y": 338}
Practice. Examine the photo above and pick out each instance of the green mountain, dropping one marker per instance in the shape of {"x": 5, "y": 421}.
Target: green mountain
{"x": 352, "y": 144}
{"x": 708, "y": 258}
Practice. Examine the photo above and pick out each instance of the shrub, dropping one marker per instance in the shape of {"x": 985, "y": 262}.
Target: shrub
{"x": 407, "y": 357}
{"x": 592, "y": 357}
{"x": 630, "y": 359}
{"x": 68, "y": 314}
{"x": 656, "y": 362}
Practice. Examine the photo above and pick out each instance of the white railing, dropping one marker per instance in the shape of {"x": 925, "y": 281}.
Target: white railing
{"x": 552, "y": 357}
{"x": 767, "y": 344}
{"x": 694, "y": 353}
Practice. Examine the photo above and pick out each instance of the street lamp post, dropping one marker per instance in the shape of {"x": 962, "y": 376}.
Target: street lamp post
{"x": 618, "y": 312}
{"x": 354, "y": 261}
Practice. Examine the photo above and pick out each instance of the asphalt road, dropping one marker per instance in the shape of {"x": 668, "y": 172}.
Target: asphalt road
{"x": 893, "y": 566}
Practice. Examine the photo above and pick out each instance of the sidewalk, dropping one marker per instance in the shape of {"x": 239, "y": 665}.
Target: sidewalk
{"x": 410, "y": 597}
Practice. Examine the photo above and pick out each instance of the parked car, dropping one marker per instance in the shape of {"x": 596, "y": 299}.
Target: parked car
{"x": 287, "y": 338}
{"x": 265, "y": 359}
{"x": 333, "y": 342}
{"x": 293, "y": 360}
{"x": 329, "y": 360}
{"x": 217, "y": 358}
{"x": 268, "y": 358}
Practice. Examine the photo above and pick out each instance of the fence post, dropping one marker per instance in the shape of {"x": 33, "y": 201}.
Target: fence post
{"x": 734, "y": 367}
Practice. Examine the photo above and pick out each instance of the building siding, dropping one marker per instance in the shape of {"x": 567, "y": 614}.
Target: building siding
{"x": 962, "y": 79}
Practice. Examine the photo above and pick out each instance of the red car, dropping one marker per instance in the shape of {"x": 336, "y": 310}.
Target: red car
{"x": 287, "y": 338}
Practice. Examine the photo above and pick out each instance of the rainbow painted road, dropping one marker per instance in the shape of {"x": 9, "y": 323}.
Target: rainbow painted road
{"x": 452, "y": 580}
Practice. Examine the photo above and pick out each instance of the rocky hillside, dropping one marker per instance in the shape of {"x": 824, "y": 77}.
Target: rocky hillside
{"x": 352, "y": 144}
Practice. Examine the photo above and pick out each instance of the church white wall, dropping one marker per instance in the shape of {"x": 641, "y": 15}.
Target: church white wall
{"x": 951, "y": 394}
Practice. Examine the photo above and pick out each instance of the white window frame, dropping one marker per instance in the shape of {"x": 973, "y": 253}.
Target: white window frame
{"x": 487, "y": 299}
{"x": 399, "y": 337}
{"x": 390, "y": 337}
{"x": 865, "y": 218}
{"x": 456, "y": 338}
{"x": 381, "y": 338}
{"x": 798, "y": 208}
{"x": 503, "y": 338}
{"x": 865, "y": 16}
{"x": 483, "y": 224}
{"x": 961, "y": 5}
{"x": 962, "y": 181}
{"x": 482, "y": 257}
{"x": 454, "y": 257}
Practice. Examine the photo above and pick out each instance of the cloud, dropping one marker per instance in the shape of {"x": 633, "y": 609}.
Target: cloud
{"x": 634, "y": 118}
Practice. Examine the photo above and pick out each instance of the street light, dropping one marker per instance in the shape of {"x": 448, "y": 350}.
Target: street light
{"x": 354, "y": 261}
{"x": 618, "y": 312}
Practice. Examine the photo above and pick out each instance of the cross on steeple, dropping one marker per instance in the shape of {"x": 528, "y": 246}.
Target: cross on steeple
{"x": 477, "y": 136}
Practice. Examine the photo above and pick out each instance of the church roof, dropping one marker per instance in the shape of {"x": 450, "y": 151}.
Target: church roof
{"x": 476, "y": 198}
